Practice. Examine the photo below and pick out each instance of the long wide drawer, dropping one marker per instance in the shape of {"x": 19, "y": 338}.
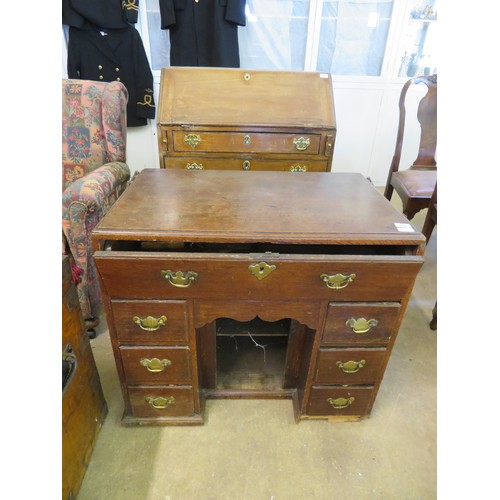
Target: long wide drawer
{"x": 196, "y": 275}
{"x": 246, "y": 142}
{"x": 147, "y": 322}
{"x": 161, "y": 401}
{"x": 349, "y": 366}
{"x": 156, "y": 365}
{"x": 298, "y": 165}
{"x": 336, "y": 401}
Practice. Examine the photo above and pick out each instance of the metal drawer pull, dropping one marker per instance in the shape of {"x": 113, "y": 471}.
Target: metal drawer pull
{"x": 351, "y": 366}
{"x": 179, "y": 278}
{"x": 155, "y": 365}
{"x": 150, "y": 324}
{"x": 194, "y": 166}
{"x": 340, "y": 403}
{"x": 337, "y": 281}
{"x": 261, "y": 270}
{"x": 301, "y": 143}
{"x": 192, "y": 140}
{"x": 160, "y": 403}
{"x": 361, "y": 325}
{"x": 247, "y": 139}
{"x": 298, "y": 168}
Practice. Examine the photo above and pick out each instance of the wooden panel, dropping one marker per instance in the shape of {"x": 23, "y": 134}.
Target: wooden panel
{"x": 370, "y": 366}
{"x": 182, "y": 403}
{"x": 244, "y": 163}
{"x": 174, "y": 331}
{"x": 337, "y": 332}
{"x": 139, "y": 275}
{"x": 177, "y": 369}
{"x": 319, "y": 404}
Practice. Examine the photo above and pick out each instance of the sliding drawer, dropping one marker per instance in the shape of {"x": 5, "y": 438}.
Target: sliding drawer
{"x": 185, "y": 275}
{"x": 147, "y": 322}
{"x": 158, "y": 402}
{"x": 339, "y": 401}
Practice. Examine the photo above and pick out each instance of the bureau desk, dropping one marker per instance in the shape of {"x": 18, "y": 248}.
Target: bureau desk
{"x": 223, "y": 284}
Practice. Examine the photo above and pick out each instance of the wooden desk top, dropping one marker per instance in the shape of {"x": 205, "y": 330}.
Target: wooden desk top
{"x": 238, "y": 207}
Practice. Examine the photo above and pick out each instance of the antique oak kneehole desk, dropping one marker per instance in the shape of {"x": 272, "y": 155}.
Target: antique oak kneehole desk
{"x": 221, "y": 284}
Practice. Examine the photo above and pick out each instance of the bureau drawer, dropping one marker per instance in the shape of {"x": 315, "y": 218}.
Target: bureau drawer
{"x": 360, "y": 324}
{"x": 148, "y": 322}
{"x": 161, "y": 401}
{"x": 349, "y": 366}
{"x": 246, "y": 142}
{"x": 337, "y": 401}
{"x": 156, "y": 365}
{"x": 197, "y": 275}
{"x": 203, "y": 163}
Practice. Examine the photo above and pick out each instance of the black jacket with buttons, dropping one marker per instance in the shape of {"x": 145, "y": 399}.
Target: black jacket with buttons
{"x": 114, "y": 54}
{"x": 203, "y": 32}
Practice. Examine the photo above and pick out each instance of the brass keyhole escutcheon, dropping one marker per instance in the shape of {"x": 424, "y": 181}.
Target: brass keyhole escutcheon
{"x": 247, "y": 139}
{"x": 246, "y": 165}
{"x": 261, "y": 270}
{"x": 246, "y": 77}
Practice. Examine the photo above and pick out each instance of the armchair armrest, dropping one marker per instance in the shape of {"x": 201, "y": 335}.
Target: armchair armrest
{"x": 84, "y": 203}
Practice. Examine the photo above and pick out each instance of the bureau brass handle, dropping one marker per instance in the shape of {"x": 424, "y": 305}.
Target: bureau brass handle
{"x": 192, "y": 140}
{"x": 194, "y": 166}
{"x": 160, "y": 403}
{"x": 361, "y": 325}
{"x": 301, "y": 143}
{"x": 351, "y": 366}
{"x": 179, "y": 278}
{"x": 155, "y": 365}
{"x": 337, "y": 281}
{"x": 261, "y": 270}
{"x": 340, "y": 403}
{"x": 298, "y": 168}
{"x": 150, "y": 324}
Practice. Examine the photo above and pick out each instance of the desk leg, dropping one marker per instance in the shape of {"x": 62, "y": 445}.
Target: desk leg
{"x": 207, "y": 360}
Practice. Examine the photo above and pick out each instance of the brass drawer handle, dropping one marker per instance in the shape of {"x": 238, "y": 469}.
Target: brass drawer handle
{"x": 194, "y": 166}
{"x": 337, "y": 281}
{"x": 155, "y": 365}
{"x": 301, "y": 143}
{"x": 351, "y": 366}
{"x": 298, "y": 168}
{"x": 361, "y": 325}
{"x": 261, "y": 270}
{"x": 179, "y": 278}
{"x": 340, "y": 403}
{"x": 160, "y": 403}
{"x": 192, "y": 140}
{"x": 150, "y": 324}
{"x": 246, "y": 165}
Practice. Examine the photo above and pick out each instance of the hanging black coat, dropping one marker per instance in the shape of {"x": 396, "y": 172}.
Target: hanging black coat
{"x": 114, "y": 54}
{"x": 203, "y": 32}
{"x": 103, "y": 13}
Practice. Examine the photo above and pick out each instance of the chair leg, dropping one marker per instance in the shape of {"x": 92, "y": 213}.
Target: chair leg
{"x": 433, "y": 323}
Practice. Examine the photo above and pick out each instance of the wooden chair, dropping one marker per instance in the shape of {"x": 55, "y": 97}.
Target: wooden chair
{"x": 416, "y": 184}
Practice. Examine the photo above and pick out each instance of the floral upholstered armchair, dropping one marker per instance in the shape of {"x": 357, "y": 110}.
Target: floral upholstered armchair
{"x": 94, "y": 174}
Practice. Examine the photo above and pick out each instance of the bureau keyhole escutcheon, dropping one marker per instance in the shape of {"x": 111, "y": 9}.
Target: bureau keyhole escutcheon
{"x": 261, "y": 270}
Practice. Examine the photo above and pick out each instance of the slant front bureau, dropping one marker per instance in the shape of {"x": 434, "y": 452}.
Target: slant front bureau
{"x": 233, "y": 119}
{"x": 219, "y": 284}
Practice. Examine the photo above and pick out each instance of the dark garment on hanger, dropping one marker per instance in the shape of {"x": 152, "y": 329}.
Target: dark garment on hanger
{"x": 111, "y": 14}
{"x": 114, "y": 54}
{"x": 203, "y": 32}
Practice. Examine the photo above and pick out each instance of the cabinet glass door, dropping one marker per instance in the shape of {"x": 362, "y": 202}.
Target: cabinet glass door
{"x": 418, "y": 53}
{"x": 353, "y": 36}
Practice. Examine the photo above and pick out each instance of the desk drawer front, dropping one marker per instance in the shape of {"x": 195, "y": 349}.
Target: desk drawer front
{"x": 298, "y": 165}
{"x": 161, "y": 401}
{"x": 349, "y": 366}
{"x": 337, "y": 401}
{"x": 360, "y": 324}
{"x": 246, "y": 142}
{"x": 147, "y": 322}
{"x": 156, "y": 365}
{"x": 241, "y": 276}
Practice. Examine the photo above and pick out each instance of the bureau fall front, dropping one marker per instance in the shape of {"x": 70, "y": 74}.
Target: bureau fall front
{"x": 267, "y": 285}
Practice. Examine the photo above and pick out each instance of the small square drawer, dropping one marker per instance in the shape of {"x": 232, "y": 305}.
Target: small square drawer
{"x": 147, "y": 322}
{"x": 338, "y": 401}
{"x": 156, "y": 365}
{"x": 161, "y": 401}
{"x": 352, "y": 324}
{"x": 349, "y": 366}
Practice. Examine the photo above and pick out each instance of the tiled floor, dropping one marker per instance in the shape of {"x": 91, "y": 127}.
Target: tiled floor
{"x": 253, "y": 450}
